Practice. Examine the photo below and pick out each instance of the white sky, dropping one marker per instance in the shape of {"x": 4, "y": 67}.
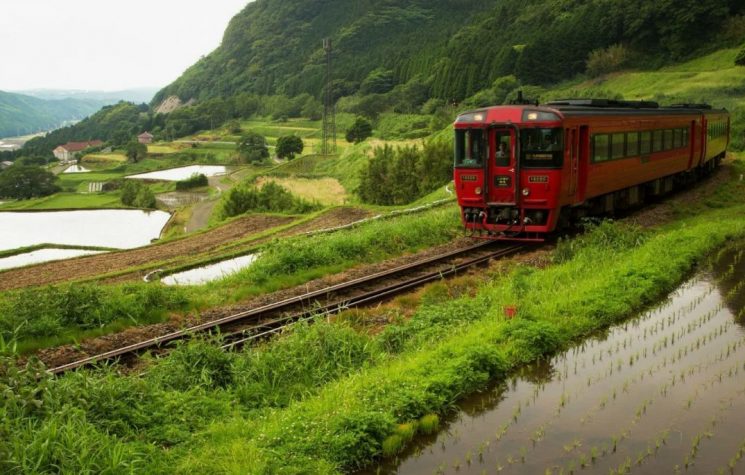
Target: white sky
{"x": 106, "y": 44}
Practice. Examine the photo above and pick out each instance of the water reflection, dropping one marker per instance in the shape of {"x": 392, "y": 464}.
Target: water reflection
{"x": 177, "y": 174}
{"x": 122, "y": 229}
{"x": 662, "y": 392}
{"x": 43, "y": 255}
{"x": 202, "y": 275}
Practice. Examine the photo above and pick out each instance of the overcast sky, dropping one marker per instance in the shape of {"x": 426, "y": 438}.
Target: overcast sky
{"x": 106, "y": 44}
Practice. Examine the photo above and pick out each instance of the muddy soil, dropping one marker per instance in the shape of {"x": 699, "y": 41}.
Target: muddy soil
{"x": 88, "y": 267}
{"x": 180, "y": 251}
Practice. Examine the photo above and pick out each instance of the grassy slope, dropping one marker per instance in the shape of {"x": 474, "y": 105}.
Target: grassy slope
{"x": 713, "y": 78}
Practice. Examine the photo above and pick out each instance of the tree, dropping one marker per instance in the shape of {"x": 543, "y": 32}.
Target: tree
{"x": 379, "y": 81}
{"x": 24, "y": 182}
{"x": 136, "y": 151}
{"x": 253, "y": 147}
{"x": 359, "y": 131}
{"x": 137, "y": 194}
{"x": 288, "y": 146}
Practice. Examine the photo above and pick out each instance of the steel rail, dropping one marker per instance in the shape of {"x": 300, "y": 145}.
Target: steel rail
{"x": 257, "y": 313}
{"x": 273, "y": 326}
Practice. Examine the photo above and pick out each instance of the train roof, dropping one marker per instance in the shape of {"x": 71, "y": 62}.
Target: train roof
{"x": 582, "y": 108}
{"x": 595, "y": 107}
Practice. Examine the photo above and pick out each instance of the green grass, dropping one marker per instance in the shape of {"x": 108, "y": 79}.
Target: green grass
{"x": 67, "y": 201}
{"x": 327, "y": 399}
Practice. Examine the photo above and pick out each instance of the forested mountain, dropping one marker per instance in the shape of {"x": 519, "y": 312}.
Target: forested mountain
{"x": 415, "y": 57}
{"x": 20, "y": 114}
{"x": 455, "y": 47}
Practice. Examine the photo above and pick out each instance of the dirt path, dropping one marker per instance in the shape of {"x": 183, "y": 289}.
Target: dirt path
{"x": 200, "y": 216}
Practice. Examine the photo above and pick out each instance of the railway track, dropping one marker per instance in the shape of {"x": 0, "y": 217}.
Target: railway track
{"x": 244, "y": 327}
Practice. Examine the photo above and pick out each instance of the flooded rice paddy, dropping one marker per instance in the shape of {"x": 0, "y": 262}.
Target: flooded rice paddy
{"x": 661, "y": 393}
{"x": 76, "y": 169}
{"x": 43, "y": 255}
{"x": 202, "y": 275}
{"x": 182, "y": 173}
{"x": 121, "y": 229}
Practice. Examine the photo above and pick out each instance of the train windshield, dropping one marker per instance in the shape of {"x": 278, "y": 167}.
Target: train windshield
{"x": 542, "y": 148}
{"x": 470, "y": 147}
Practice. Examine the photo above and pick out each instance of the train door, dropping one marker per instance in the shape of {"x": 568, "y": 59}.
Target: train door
{"x": 573, "y": 152}
{"x": 583, "y": 161}
{"x": 692, "y": 144}
{"x": 502, "y": 167}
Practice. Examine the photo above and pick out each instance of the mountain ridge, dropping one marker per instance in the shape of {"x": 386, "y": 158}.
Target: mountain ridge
{"x": 21, "y": 114}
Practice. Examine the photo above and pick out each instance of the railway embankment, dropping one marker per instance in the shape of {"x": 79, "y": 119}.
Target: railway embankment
{"x": 333, "y": 396}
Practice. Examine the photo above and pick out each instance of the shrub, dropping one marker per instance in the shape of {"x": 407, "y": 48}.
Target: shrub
{"x": 360, "y": 130}
{"x": 137, "y": 194}
{"x": 194, "y": 181}
{"x": 394, "y": 177}
{"x": 271, "y": 197}
{"x": 607, "y": 60}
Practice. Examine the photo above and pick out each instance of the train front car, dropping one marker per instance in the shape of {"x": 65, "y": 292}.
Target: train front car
{"x": 509, "y": 171}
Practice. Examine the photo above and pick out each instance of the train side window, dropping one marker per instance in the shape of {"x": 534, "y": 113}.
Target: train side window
{"x": 657, "y": 141}
{"x": 600, "y": 144}
{"x": 632, "y": 144}
{"x": 618, "y": 146}
{"x": 667, "y": 138}
{"x": 645, "y": 143}
{"x": 677, "y": 138}
{"x": 686, "y": 141}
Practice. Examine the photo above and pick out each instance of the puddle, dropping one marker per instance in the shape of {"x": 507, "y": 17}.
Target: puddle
{"x": 76, "y": 169}
{"x": 122, "y": 229}
{"x": 662, "y": 393}
{"x": 43, "y": 255}
{"x": 202, "y": 275}
{"x": 177, "y": 174}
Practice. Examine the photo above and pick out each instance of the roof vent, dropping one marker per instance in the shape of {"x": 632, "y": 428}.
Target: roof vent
{"x": 608, "y": 103}
{"x": 690, "y": 106}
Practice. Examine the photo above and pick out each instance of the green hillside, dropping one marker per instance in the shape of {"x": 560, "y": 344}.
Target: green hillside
{"x": 712, "y": 78}
{"x": 21, "y": 115}
{"x": 452, "y": 48}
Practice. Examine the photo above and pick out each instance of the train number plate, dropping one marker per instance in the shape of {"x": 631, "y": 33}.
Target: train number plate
{"x": 468, "y": 178}
{"x": 538, "y": 179}
{"x": 502, "y": 181}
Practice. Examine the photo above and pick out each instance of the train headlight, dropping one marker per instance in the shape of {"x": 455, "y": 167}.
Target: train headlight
{"x": 526, "y": 192}
{"x": 477, "y": 190}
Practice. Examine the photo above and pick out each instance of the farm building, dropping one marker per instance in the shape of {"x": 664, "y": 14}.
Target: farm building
{"x": 68, "y": 151}
{"x": 145, "y": 137}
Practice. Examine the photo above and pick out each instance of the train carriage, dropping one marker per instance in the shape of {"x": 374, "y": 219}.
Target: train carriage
{"x": 523, "y": 170}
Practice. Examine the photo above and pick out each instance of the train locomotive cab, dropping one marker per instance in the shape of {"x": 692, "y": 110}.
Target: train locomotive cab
{"x": 509, "y": 169}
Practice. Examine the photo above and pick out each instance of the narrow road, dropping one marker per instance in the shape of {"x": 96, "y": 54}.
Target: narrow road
{"x": 202, "y": 211}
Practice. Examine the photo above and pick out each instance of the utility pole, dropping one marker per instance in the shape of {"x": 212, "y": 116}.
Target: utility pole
{"x": 328, "y": 144}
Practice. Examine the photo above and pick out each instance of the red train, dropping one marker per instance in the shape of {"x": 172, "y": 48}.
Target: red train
{"x": 521, "y": 171}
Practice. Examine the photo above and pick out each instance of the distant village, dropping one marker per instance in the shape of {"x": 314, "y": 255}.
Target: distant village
{"x": 69, "y": 152}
